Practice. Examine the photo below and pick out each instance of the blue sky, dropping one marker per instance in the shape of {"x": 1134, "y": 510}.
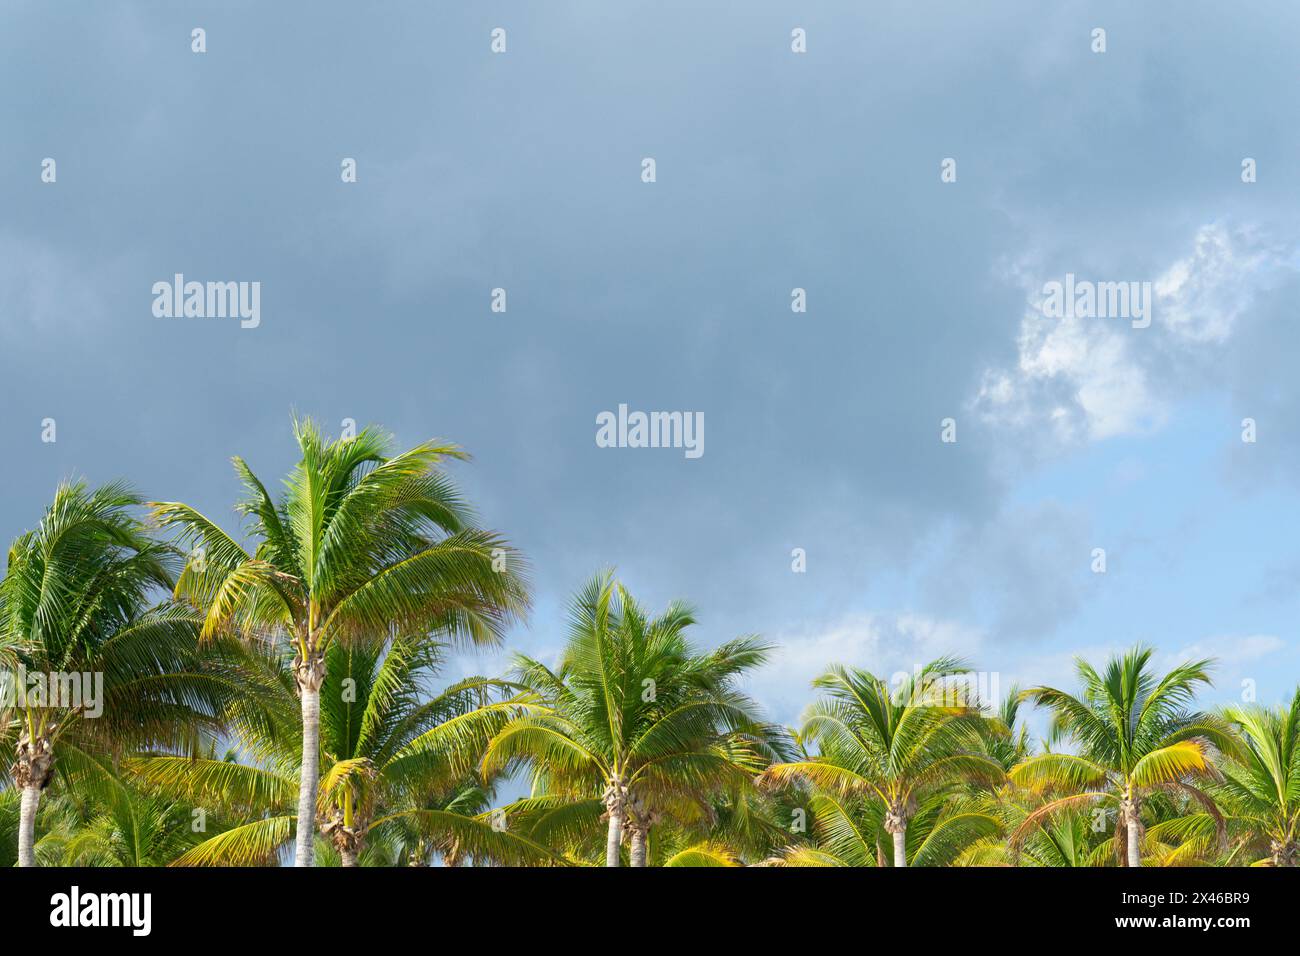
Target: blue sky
{"x": 775, "y": 170}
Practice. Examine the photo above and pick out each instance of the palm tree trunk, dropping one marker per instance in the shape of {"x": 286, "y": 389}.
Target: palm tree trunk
{"x": 308, "y": 779}
{"x": 640, "y": 843}
{"x": 34, "y": 761}
{"x": 615, "y": 797}
{"x": 900, "y": 846}
{"x": 27, "y": 826}
{"x": 614, "y": 837}
{"x": 1283, "y": 853}
{"x": 310, "y": 675}
{"x": 1128, "y": 809}
{"x": 895, "y": 823}
{"x": 347, "y": 838}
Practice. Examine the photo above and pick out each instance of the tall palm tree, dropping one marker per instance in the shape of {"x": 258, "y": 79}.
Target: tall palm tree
{"x": 1262, "y": 786}
{"x": 634, "y": 726}
{"x": 75, "y": 605}
{"x": 363, "y": 544}
{"x": 892, "y": 747}
{"x": 1180, "y": 832}
{"x": 399, "y": 761}
{"x": 402, "y": 754}
{"x": 1135, "y": 734}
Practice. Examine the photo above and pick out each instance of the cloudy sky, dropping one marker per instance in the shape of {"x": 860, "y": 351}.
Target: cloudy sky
{"x": 775, "y": 170}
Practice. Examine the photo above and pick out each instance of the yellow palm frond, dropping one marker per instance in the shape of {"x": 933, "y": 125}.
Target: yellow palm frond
{"x": 821, "y": 774}
{"x": 253, "y": 844}
{"x": 1057, "y": 772}
{"x": 1171, "y": 763}
{"x": 704, "y": 854}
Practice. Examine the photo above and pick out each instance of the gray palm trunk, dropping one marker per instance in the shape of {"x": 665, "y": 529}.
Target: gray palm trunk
{"x": 616, "y": 804}
{"x": 896, "y": 825}
{"x": 1134, "y": 846}
{"x": 1128, "y": 808}
{"x": 900, "y": 846}
{"x": 346, "y": 839}
{"x": 309, "y": 778}
{"x": 27, "y": 825}
{"x": 640, "y": 844}
{"x": 615, "y": 836}
{"x": 33, "y": 764}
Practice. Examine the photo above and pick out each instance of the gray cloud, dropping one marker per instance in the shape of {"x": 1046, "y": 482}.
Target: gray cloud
{"x": 521, "y": 171}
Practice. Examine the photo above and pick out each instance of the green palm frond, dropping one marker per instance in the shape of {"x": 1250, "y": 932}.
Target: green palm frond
{"x": 252, "y": 844}
{"x": 479, "y": 838}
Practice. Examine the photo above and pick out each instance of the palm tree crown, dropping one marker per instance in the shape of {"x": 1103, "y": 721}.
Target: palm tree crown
{"x": 1135, "y": 734}
{"x": 1263, "y": 784}
{"x": 363, "y": 544}
{"x": 75, "y": 603}
{"x": 891, "y": 746}
{"x": 399, "y": 762}
{"x": 634, "y": 722}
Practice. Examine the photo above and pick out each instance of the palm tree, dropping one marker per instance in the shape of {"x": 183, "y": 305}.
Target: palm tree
{"x": 1135, "y": 736}
{"x": 413, "y": 841}
{"x": 116, "y": 826}
{"x": 634, "y": 726}
{"x": 849, "y": 830}
{"x": 362, "y": 545}
{"x": 74, "y": 604}
{"x": 1068, "y": 839}
{"x": 741, "y": 826}
{"x": 1262, "y": 786}
{"x": 399, "y": 753}
{"x": 399, "y": 761}
{"x": 891, "y": 748}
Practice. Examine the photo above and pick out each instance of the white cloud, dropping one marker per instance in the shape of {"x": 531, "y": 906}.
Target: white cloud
{"x": 883, "y": 644}
{"x": 1086, "y": 379}
{"x": 1201, "y": 297}
{"x": 1232, "y": 650}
